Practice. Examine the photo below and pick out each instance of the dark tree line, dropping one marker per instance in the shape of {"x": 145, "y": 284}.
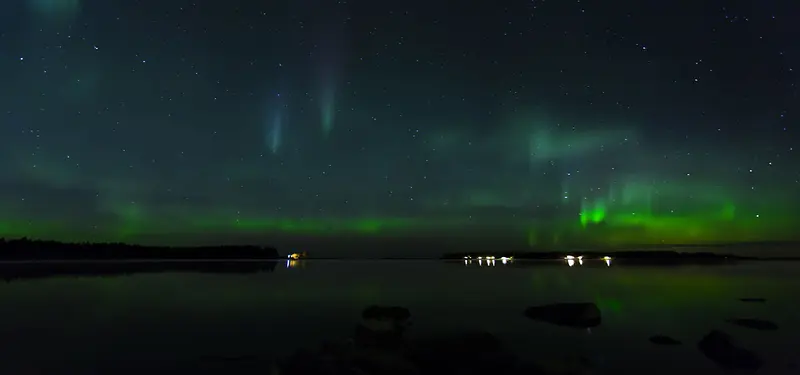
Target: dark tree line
{"x": 27, "y": 249}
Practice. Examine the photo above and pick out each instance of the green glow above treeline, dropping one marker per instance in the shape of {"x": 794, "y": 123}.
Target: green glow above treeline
{"x": 529, "y": 191}
{"x": 594, "y": 225}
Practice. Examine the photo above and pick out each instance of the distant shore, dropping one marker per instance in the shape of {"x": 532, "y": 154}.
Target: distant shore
{"x": 34, "y": 250}
{"x": 27, "y": 250}
{"x": 628, "y": 256}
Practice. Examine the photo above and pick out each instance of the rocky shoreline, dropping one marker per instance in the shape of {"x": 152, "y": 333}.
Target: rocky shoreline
{"x": 380, "y": 346}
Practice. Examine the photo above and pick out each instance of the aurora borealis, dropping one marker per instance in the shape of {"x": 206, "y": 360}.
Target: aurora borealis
{"x": 519, "y": 123}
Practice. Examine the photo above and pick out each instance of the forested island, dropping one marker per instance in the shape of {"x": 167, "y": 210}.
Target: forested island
{"x": 36, "y": 250}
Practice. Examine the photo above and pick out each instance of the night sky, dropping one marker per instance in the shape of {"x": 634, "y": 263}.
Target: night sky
{"x": 517, "y": 123}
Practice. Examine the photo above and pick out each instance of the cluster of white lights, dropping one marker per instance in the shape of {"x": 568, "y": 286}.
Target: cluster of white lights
{"x": 571, "y": 259}
{"x": 489, "y": 259}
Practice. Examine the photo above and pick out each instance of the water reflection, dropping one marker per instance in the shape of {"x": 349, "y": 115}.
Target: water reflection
{"x": 160, "y": 319}
{"x": 15, "y": 271}
{"x": 294, "y": 263}
{"x": 29, "y": 270}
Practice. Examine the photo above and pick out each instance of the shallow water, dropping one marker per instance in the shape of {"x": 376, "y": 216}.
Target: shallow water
{"x": 152, "y": 321}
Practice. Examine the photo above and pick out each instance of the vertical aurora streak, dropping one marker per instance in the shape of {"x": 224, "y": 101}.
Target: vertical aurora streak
{"x": 307, "y": 120}
{"x": 329, "y": 62}
{"x": 276, "y": 128}
{"x": 327, "y": 108}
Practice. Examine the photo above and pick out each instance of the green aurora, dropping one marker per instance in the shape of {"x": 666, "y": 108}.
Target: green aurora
{"x": 598, "y": 222}
{"x": 541, "y": 185}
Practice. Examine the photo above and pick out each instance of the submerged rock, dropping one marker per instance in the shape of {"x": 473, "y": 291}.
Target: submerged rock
{"x": 761, "y": 325}
{"x": 384, "y": 350}
{"x": 369, "y": 337}
{"x": 394, "y": 313}
{"x": 664, "y": 340}
{"x": 570, "y": 365}
{"x": 579, "y": 315}
{"x": 464, "y": 353}
{"x": 377, "y": 349}
{"x": 386, "y": 318}
{"x": 753, "y": 299}
{"x": 719, "y": 347}
{"x": 382, "y": 327}
{"x": 226, "y": 358}
{"x": 344, "y": 359}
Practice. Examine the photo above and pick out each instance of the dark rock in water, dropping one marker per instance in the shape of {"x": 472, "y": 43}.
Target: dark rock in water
{"x": 223, "y": 358}
{"x": 383, "y": 350}
{"x": 753, "y": 299}
{"x": 382, "y": 363}
{"x": 378, "y": 347}
{"x": 664, "y": 340}
{"x": 385, "y": 339}
{"x": 718, "y": 346}
{"x": 382, "y": 327}
{"x": 466, "y": 353}
{"x": 344, "y": 359}
{"x": 580, "y": 315}
{"x": 530, "y": 368}
{"x": 396, "y": 313}
{"x": 761, "y": 325}
{"x": 386, "y": 318}
{"x": 570, "y": 365}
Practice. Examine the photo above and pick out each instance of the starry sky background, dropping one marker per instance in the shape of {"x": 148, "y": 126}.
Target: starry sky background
{"x": 517, "y": 123}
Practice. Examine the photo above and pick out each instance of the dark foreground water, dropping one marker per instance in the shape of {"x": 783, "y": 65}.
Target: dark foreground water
{"x": 153, "y": 322}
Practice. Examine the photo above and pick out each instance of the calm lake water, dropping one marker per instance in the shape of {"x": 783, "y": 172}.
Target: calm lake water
{"x": 158, "y": 321}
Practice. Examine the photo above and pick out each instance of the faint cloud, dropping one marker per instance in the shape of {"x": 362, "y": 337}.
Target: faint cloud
{"x": 36, "y": 201}
{"x": 58, "y": 9}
